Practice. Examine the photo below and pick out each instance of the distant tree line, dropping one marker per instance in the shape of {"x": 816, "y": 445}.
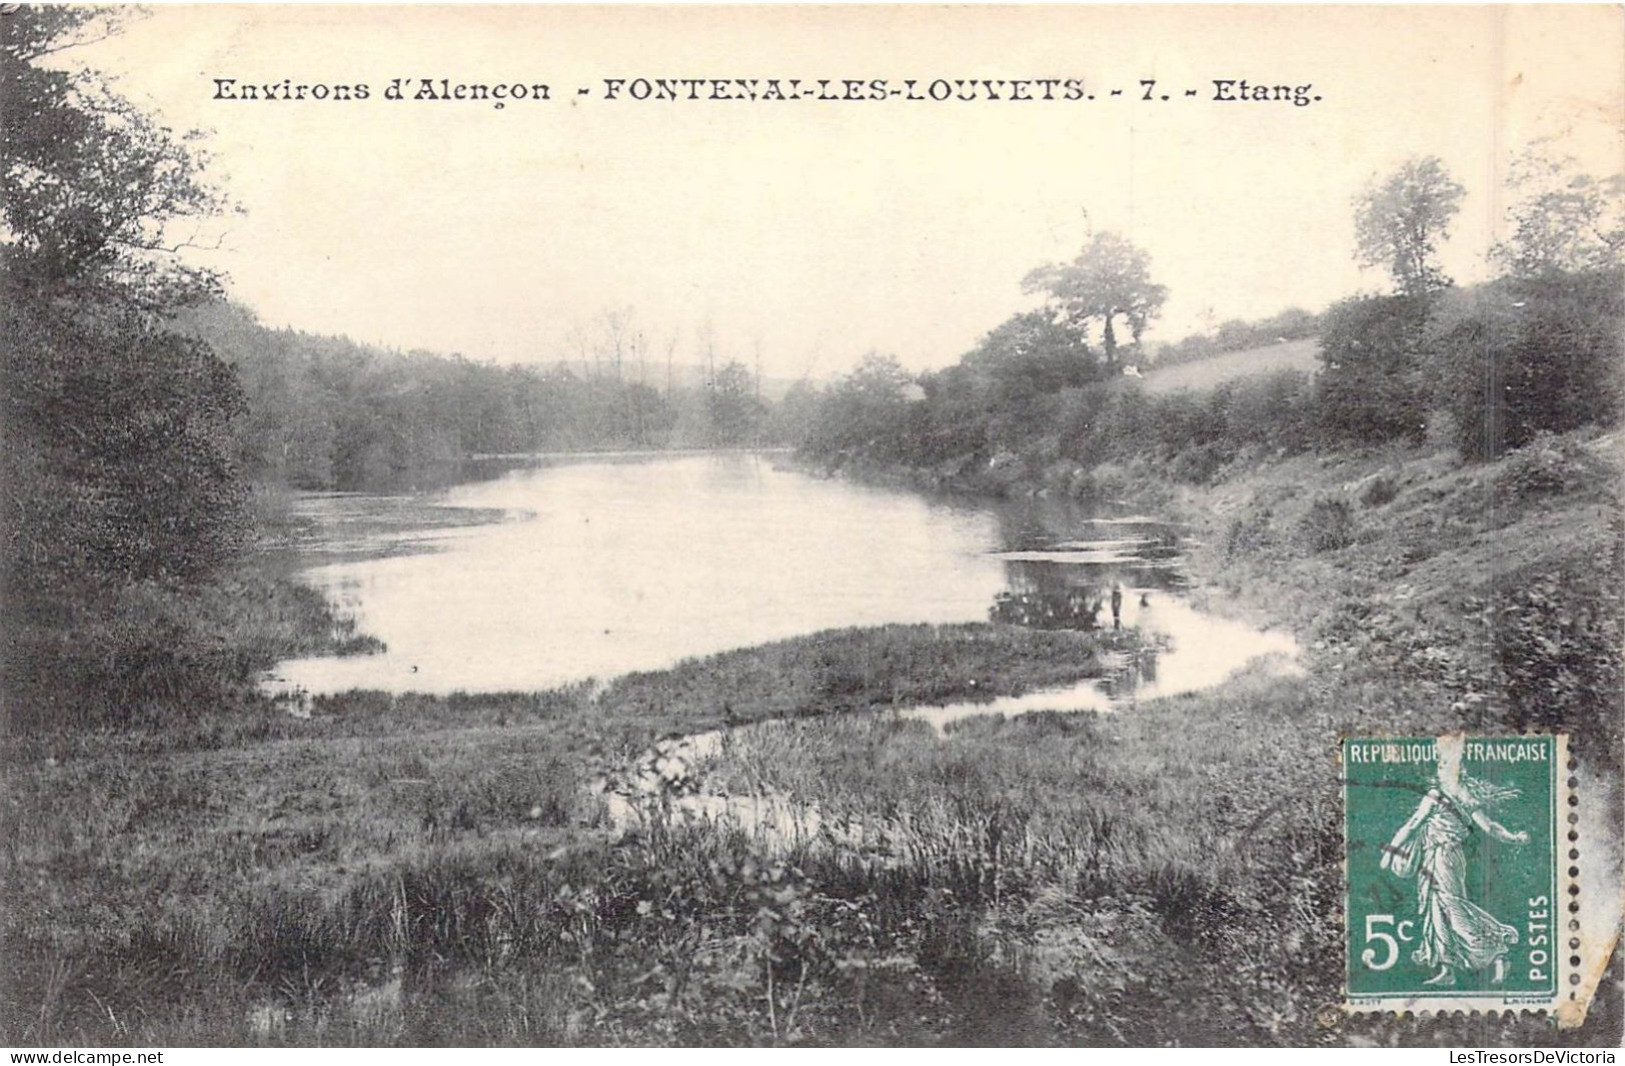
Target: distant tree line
{"x": 329, "y": 413}
{"x": 1539, "y": 349}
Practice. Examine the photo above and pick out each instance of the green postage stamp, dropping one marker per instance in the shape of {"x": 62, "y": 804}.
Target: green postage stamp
{"x": 1456, "y": 895}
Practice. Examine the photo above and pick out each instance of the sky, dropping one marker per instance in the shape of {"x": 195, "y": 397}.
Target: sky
{"x": 806, "y": 233}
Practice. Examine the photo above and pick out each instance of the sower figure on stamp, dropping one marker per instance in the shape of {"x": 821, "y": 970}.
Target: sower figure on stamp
{"x": 1457, "y": 934}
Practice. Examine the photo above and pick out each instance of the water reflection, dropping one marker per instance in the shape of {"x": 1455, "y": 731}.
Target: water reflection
{"x": 1047, "y": 609}
{"x": 1063, "y": 565}
{"x": 608, "y": 567}
{"x": 1070, "y": 570}
{"x": 1183, "y": 650}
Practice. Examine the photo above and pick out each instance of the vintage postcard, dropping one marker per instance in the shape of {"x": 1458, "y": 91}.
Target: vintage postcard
{"x": 811, "y": 526}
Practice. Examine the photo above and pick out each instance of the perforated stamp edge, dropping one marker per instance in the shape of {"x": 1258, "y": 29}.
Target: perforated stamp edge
{"x": 1586, "y": 922}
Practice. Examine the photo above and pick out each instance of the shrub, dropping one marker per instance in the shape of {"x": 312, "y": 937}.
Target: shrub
{"x": 1370, "y": 388}
{"x": 1534, "y": 355}
{"x": 1547, "y": 466}
{"x": 1328, "y": 525}
{"x": 1275, "y": 411}
{"x": 1197, "y": 466}
{"x": 1249, "y": 534}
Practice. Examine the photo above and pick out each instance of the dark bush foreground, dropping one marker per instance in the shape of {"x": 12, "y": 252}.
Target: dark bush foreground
{"x": 1532, "y": 356}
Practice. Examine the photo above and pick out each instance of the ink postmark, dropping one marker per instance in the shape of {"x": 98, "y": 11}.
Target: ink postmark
{"x": 1455, "y": 896}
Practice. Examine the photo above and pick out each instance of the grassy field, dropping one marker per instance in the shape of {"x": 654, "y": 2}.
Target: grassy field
{"x": 422, "y": 871}
{"x": 1207, "y": 373}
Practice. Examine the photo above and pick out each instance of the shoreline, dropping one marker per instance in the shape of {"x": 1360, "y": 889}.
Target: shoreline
{"x": 395, "y": 866}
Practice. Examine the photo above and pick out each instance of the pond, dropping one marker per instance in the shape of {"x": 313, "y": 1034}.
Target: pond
{"x": 594, "y": 568}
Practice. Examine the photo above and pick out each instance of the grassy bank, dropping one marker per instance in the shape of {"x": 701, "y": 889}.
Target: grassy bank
{"x": 248, "y": 876}
{"x": 426, "y": 871}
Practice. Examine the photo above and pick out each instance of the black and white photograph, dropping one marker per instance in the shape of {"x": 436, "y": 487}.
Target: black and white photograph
{"x": 811, "y": 526}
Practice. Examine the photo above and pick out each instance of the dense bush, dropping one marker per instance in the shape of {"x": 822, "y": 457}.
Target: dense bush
{"x": 1494, "y": 366}
{"x": 1248, "y": 534}
{"x": 1533, "y": 355}
{"x": 1371, "y": 387}
{"x": 161, "y": 649}
{"x": 118, "y": 451}
{"x": 123, "y": 499}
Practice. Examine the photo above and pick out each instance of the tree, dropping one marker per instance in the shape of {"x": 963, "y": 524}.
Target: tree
{"x": 730, "y": 397}
{"x": 122, "y": 491}
{"x": 792, "y": 419}
{"x": 1021, "y": 365}
{"x": 103, "y": 404}
{"x": 1563, "y": 220}
{"x": 865, "y": 410}
{"x": 1400, "y": 221}
{"x": 1110, "y": 279}
{"x": 120, "y": 462}
{"x": 1033, "y": 352}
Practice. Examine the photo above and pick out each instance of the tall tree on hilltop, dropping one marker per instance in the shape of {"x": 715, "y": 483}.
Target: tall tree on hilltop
{"x": 1400, "y": 221}
{"x": 1110, "y": 279}
{"x": 1563, "y": 220}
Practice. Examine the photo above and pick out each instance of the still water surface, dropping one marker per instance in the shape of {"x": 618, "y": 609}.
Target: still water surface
{"x": 602, "y": 567}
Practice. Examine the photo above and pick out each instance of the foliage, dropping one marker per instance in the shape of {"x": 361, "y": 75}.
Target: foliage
{"x": 867, "y": 409}
{"x": 1547, "y": 466}
{"x": 1110, "y": 278}
{"x": 1032, "y": 353}
{"x": 123, "y": 494}
{"x": 119, "y": 453}
{"x": 791, "y": 420}
{"x": 1558, "y": 636}
{"x": 93, "y": 186}
{"x": 735, "y": 409}
{"x": 328, "y": 413}
{"x": 1400, "y": 221}
{"x": 1249, "y": 533}
{"x": 1371, "y": 388}
{"x": 159, "y": 650}
{"x": 1535, "y": 354}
